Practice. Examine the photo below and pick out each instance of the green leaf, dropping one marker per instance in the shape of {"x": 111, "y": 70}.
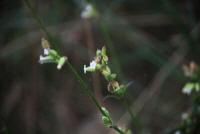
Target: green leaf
{"x": 110, "y": 96}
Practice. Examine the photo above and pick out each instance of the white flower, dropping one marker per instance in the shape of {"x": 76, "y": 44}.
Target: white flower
{"x": 184, "y": 116}
{"x": 177, "y": 132}
{"x": 187, "y": 89}
{"x": 87, "y": 11}
{"x": 93, "y": 65}
{"x": 85, "y": 69}
{"x": 84, "y": 14}
{"x": 41, "y": 57}
{"x": 46, "y": 52}
{"x": 88, "y": 8}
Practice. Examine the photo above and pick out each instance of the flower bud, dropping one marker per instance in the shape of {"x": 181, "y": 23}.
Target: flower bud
{"x": 98, "y": 66}
{"x": 105, "y": 58}
{"x": 121, "y": 90}
{"x": 53, "y": 52}
{"x": 103, "y": 62}
{"x": 108, "y": 69}
{"x": 187, "y": 89}
{"x": 103, "y": 51}
{"x": 110, "y": 76}
{"x": 61, "y": 62}
{"x": 45, "y": 43}
{"x": 105, "y": 111}
{"x": 106, "y": 120}
{"x": 98, "y": 52}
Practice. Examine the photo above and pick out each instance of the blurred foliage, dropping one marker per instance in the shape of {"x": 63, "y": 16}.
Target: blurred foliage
{"x": 152, "y": 40}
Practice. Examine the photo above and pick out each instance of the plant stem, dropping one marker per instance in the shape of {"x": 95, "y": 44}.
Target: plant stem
{"x": 85, "y": 87}
{"x": 117, "y": 129}
{"x": 131, "y": 114}
{"x": 68, "y": 64}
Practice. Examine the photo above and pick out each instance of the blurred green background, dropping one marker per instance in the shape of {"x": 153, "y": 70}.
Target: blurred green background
{"x": 147, "y": 43}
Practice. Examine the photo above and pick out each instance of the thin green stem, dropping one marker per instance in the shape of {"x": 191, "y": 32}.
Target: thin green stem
{"x": 131, "y": 114}
{"x": 85, "y": 87}
{"x": 117, "y": 129}
{"x": 90, "y": 94}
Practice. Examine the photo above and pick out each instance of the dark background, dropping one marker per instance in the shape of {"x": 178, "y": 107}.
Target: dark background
{"x": 152, "y": 41}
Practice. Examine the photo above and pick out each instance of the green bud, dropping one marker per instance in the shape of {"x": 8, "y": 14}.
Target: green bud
{"x": 98, "y": 52}
{"x": 108, "y": 69}
{"x": 105, "y": 111}
{"x": 61, "y": 62}
{"x": 113, "y": 76}
{"x": 187, "y": 89}
{"x": 98, "y": 66}
{"x": 110, "y": 76}
{"x": 53, "y": 52}
{"x": 105, "y": 58}
{"x": 103, "y": 62}
{"x": 121, "y": 90}
{"x": 103, "y": 51}
{"x": 45, "y": 43}
{"x": 106, "y": 120}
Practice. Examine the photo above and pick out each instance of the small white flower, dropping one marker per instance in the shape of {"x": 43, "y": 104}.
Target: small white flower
{"x": 184, "y": 116}
{"x": 85, "y": 13}
{"x": 46, "y": 52}
{"x": 187, "y": 91}
{"x": 85, "y": 69}
{"x": 88, "y": 8}
{"x": 177, "y": 132}
{"x": 41, "y": 57}
{"x": 93, "y": 65}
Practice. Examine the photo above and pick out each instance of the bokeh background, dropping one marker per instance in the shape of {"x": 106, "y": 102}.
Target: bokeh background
{"x": 147, "y": 42}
